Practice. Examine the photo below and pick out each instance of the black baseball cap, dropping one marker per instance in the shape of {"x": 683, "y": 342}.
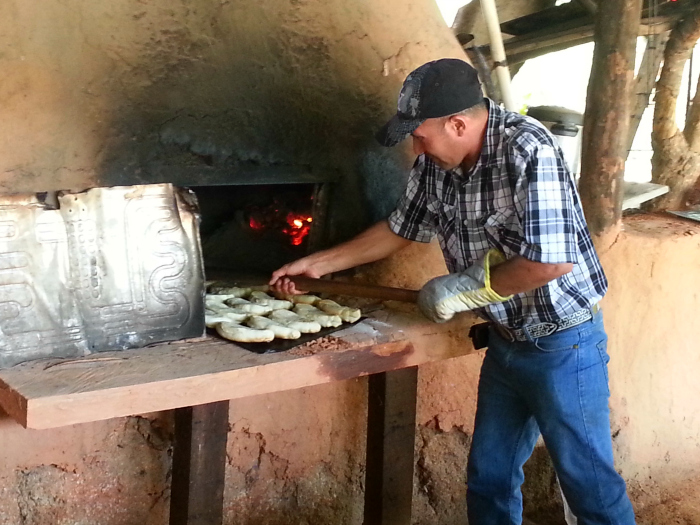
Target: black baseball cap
{"x": 436, "y": 89}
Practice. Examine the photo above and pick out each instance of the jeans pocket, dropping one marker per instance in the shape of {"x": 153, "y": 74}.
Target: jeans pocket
{"x": 604, "y": 360}
{"x": 559, "y": 342}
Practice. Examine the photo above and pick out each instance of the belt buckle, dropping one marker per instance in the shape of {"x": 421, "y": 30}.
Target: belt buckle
{"x": 541, "y": 330}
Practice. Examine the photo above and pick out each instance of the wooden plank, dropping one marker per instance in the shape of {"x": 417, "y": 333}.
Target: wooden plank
{"x": 637, "y": 193}
{"x": 46, "y": 394}
{"x": 390, "y": 447}
{"x": 199, "y": 464}
{"x": 532, "y": 45}
{"x": 239, "y": 374}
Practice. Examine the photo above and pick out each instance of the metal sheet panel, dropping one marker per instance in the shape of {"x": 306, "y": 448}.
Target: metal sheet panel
{"x": 110, "y": 269}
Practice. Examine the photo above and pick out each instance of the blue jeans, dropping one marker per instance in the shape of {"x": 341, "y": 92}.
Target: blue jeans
{"x": 556, "y": 385}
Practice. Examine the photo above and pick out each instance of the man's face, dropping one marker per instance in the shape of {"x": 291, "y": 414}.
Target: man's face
{"x": 437, "y": 138}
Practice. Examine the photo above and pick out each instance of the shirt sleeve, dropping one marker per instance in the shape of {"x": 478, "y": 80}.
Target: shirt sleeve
{"x": 549, "y": 228}
{"x": 411, "y": 219}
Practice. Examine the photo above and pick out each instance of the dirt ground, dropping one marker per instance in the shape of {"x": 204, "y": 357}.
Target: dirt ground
{"x": 680, "y": 506}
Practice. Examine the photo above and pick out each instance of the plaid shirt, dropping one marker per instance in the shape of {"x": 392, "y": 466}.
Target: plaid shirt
{"x": 519, "y": 198}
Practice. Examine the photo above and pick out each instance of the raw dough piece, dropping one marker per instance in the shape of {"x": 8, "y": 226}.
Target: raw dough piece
{"x": 293, "y": 320}
{"x": 216, "y": 302}
{"x": 232, "y": 291}
{"x": 243, "y": 334}
{"x": 265, "y": 300}
{"x": 280, "y": 330}
{"x": 347, "y": 314}
{"x": 311, "y": 313}
{"x": 212, "y": 318}
{"x": 298, "y": 299}
{"x": 242, "y": 306}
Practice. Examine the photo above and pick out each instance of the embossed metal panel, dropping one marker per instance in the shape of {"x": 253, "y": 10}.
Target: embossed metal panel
{"x": 110, "y": 269}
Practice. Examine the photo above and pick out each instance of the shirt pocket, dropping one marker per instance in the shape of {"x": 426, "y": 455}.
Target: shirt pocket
{"x": 471, "y": 227}
{"x": 502, "y": 230}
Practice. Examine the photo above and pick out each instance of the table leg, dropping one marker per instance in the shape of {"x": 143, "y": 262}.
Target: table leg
{"x": 199, "y": 463}
{"x": 391, "y": 433}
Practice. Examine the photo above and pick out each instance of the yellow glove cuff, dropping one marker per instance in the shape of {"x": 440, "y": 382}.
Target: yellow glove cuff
{"x": 493, "y": 258}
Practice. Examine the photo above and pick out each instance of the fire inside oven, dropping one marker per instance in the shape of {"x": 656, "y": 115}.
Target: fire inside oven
{"x": 255, "y": 229}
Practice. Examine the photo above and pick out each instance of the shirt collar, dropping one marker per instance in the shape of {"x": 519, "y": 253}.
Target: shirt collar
{"x": 495, "y": 127}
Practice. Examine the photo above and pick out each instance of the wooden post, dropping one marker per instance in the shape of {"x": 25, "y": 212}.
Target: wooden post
{"x": 391, "y": 431}
{"x": 645, "y": 82}
{"x": 606, "y": 121}
{"x": 199, "y": 462}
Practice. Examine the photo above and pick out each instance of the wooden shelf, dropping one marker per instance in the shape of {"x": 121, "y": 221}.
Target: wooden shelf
{"x": 47, "y": 394}
{"x": 637, "y": 193}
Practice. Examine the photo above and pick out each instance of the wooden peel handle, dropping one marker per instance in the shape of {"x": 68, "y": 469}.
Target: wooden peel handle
{"x": 354, "y": 289}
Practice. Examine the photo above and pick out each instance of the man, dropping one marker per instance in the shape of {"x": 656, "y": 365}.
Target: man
{"x": 493, "y": 186}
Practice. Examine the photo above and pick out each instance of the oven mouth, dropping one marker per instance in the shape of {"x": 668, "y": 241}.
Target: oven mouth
{"x": 255, "y": 229}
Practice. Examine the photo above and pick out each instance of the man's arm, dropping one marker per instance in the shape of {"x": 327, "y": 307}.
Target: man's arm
{"x": 489, "y": 280}
{"x": 377, "y": 242}
{"x": 519, "y": 275}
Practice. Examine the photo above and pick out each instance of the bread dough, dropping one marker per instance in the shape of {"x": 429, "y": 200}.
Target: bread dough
{"x": 232, "y": 291}
{"x": 311, "y": 313}
{"x": 216, "y": 302}
{"x": 295, "y": 321}
{"x": 212, "y": 318}
{"x": 242, "y": 306}
{"x": 298, "y": 298}
{"x": 265, "y": 300}
{"x": 281, "y": 331}
{"x": 243, "y": 334}
{"x": 347, "y": 314}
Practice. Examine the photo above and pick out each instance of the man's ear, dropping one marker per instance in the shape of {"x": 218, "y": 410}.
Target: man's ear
{"x": 459, "y": 124}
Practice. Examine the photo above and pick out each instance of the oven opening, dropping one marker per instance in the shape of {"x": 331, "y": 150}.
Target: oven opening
{"x": 255, "y": 229}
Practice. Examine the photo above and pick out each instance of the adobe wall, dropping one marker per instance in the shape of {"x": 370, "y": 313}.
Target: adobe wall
{"x": 652, "y": 314}
{"x": 122, "y": 92}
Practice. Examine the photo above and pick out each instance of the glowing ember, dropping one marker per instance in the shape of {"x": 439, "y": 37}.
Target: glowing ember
{"x": 296, "y": 225}
{"x": 255, "y": 224}
{"x": 299, "y": 227}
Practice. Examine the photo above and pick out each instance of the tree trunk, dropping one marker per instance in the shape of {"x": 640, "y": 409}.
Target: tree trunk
{"x": 676, "y": 159}
{"x": 607, "y": 120}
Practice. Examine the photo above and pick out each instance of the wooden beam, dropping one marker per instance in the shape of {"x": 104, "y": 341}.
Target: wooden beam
{"x": 532, "y": 45}
{"x": 391, "y": 430}
{"x": 606, "y": 120}
{"x": 199, "y": 464}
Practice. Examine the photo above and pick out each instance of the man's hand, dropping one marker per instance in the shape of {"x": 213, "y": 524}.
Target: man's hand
{"x": 444, "y": 296}
{"x": 305, "y": 266}
{"x": 373, "y": 244}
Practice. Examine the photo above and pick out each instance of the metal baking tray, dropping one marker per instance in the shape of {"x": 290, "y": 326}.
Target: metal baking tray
{"x": 281, "y": 345}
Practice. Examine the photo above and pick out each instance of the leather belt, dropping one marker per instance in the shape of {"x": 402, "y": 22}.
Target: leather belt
{"x": 536, "y": 331}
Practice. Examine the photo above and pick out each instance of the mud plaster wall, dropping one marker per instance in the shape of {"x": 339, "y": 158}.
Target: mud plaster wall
{"x": 651, "y": 315}
{"x": 122, "y": 92}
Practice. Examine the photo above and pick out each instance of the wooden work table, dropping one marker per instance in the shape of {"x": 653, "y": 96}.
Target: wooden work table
{"x": 197, "y": 378}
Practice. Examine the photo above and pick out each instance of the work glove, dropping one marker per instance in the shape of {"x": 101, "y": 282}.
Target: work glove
{"x": 447, "y": 295}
